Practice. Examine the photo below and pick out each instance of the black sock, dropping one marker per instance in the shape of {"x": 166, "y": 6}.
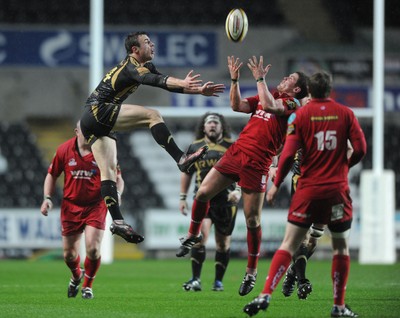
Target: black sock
{"x": 110, "y": 196}
{"x": 300, "y": 262}
{"x": 198, "y": 256}
{"x": 221, "y": 263}
{"x": 163, "y": 137}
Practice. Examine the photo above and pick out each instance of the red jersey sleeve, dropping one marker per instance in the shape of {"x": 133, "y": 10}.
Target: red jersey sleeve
{"x": 253, "y": 102}
{"x": 358, "y": 142}
{"x": 57, "y": 164}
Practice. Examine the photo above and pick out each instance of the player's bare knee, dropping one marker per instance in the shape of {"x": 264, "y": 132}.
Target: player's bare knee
{"x": 253, "y": 222}
{"x": 154, "y": 117}
{"x": 203, "y": 195}
{"x": 93, "y": 253}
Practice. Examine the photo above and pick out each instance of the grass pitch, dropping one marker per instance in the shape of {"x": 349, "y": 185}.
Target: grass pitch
{"x": 152, "y": 288}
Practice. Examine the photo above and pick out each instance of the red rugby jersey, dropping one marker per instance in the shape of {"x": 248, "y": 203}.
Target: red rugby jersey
{"x": 265, "y": 132}
{"x": 321, "y": 129}
{"x": 81, "y": 174}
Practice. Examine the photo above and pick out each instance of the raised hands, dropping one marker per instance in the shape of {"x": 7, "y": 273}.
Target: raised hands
{"x": 234, "y": 66}
{"x": 257, "y": 67}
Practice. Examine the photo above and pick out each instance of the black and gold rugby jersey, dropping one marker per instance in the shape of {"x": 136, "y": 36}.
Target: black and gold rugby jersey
{"x": 203, "y": 166}
{"x": 297, "y": 162}
{"x": 124, "y": 79}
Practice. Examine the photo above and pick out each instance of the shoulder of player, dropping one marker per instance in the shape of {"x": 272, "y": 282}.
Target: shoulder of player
{"x": 227, "y": 141}
{"x": 196, "y": 144}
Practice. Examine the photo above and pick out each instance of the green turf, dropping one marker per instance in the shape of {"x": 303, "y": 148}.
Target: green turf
{"x": 152, "y": 288}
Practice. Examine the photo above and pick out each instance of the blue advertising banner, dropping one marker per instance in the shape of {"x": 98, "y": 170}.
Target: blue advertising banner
{"x": 60, "y": 48}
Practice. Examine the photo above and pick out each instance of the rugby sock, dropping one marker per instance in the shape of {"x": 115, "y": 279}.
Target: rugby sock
{"x": 339, "y": 274}
{"x": 163, "y": 137}
{"x": 75, "y": 268}
{"x": 279, "y": 264}
{"x": 91, "y": 267}
{"x": 199, "y": 212}
{"x": 300, "y": 262}
{"x": 110, "y": 196}
{"x": 221, "y": 263}
{"x": 253, "y": 246}
{"x": 198, "y": 256}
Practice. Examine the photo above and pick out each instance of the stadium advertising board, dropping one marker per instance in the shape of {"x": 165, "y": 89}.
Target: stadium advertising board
{"x": 62, "y": 48}
{"x": 28, "y": 228}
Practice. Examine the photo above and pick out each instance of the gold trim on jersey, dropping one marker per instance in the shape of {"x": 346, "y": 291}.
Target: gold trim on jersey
{"x": 295, "y": 180}
{"x": 95, "y": 110}
{"x": 216, "y": 147}
{"x": 130, "y": 89}
{"x": 142, "y": 70}
{"x": 114, "y": 76}
{"x": 133, "y": 61}
{"x": 114, "y": 112}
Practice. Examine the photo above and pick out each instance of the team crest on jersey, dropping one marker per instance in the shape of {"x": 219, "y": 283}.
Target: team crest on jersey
{"x": 72, "y": 162}
{"x": 291, "y": 104}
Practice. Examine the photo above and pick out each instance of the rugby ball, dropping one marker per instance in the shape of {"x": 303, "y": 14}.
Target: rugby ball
{"x": 236, "y": 25}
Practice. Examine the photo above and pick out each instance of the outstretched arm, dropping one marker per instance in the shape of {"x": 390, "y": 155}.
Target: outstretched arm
{"x": 193, "y": 85}
{"x": 267, "y": 100}
{"x": 237, "y": 103}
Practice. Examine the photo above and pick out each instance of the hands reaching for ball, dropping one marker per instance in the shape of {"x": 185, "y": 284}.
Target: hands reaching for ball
{"x": 257, "y": 68}
{"x": 234, "y": 66}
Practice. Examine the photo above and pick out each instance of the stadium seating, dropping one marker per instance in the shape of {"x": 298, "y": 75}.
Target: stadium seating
{"x": 23, "y": 169}
{"x": 182, "y": 12}
{"x": 21, "y": 181}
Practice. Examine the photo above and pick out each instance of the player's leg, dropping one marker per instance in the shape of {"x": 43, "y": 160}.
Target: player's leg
{"x": 72, "y": 259}
{"x": 302, "y": 255}
{"x": 280, "y": 262}
{"x": 340, "y": 272}
{"x": 197, "y": 258}
{"x": 252, "y": 206}
{"x": 222, "y": 255}
{"x": 224, "y": 219}
{"x": 105, "y": 153}
{"x": 340, "y": 233}
{"x": 213, "y": 183}
{"x": 93, "y": 239}
{"x": 135, "y": 116}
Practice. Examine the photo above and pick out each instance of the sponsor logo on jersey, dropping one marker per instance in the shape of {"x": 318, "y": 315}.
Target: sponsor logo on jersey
{"x": 72, "y": 162}
{"x": 83, "y": 174}
{"x": 262, "y": 114}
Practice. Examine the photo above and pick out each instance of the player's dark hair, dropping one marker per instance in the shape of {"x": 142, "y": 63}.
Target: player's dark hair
{"x": 320, "y": 85}
{"x": 302, "y": 83}
{"x": 226, "y": 129}
{"x": 132, "y": 40}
